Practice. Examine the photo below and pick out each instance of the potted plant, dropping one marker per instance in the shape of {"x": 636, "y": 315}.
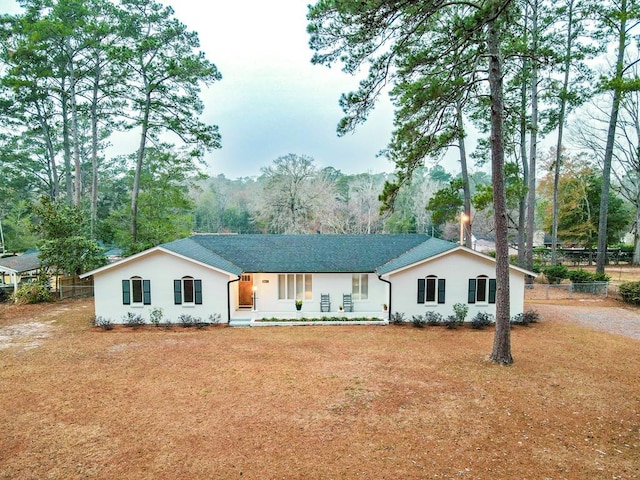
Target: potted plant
{"x": 298, "y": 305}
{"x": 384, "y": 307}
{"x": 340, "y": 308}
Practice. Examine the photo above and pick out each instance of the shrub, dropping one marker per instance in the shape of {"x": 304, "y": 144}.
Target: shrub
{"x": 103, "y": 322}
{"x": 397, "y": 318}
{"x": 418, "y": 321}
{"x": 583, "y": 281}
{"x": 215, "y": 318}
{"x": 34, "y": 292}
{"x": 452, "y": 322}
{"x": 155, "y": 316}
{"x": 433, "y": 318}
{"x": 187, "y": 321}
{"x": 525, "y": 318}
{"x": 460, "y": 310}
{"x": 4, "y": 295}
{"x": 167, "y": 323}
{"x": 630, "y": 292}
{"x": 133, "y": 320}
{"x": 556, "y": 273}
{"x": 199, "y": 323}
{"x": 583, "y": 276}
{"x": 481, "y": 320}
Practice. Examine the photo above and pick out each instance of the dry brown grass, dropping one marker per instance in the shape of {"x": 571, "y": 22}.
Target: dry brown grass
{"x": 314, "y": 402}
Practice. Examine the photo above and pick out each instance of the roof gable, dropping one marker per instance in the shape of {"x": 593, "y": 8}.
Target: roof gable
{"x": 428, "y": 249}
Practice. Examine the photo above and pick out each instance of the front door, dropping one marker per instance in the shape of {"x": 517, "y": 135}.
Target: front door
{"x": 246, "y": 290}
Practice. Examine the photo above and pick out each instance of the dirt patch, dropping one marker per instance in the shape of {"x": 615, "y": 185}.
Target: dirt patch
{"x": 24, "y": 335}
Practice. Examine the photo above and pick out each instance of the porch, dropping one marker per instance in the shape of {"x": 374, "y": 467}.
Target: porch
{"x": 254, "y": 318}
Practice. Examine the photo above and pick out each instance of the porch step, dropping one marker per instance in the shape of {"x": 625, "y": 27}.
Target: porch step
{"x": 240, "y": 322}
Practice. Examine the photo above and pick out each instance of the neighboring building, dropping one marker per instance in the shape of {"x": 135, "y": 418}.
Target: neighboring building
{"x": 18, "y": 268}
{"x": 262, "y": 276}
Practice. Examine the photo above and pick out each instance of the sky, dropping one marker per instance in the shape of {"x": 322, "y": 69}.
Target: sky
{"x": 271, "y": 100}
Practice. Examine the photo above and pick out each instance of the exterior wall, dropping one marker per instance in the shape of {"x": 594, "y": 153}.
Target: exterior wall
{"x": 335, "y": 284}
{"x": 456, "y": 268}
{"x": 161, "y": 269}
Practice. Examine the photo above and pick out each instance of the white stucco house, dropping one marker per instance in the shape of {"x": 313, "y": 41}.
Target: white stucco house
{"x": 236, "y": 277}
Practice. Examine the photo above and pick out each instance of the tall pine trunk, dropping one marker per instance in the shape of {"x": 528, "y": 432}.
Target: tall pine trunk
{"x": 465, "y": 177}
{"x": 561, "y": 121}
{"x": 94, "y": 148}
{"x": 611, "y": 135}
{"x": 533, "y": 145}
{"x": 75, "y": 132}
{"x": 138, "y": 171}
{"x": 502, "y": 339}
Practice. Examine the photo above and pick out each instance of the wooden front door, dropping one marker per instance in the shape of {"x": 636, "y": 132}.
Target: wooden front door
{"x": 246, "y": 290}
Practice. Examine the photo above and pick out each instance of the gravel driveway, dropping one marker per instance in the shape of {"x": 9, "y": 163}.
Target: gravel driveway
{"x": 609, "y": 317}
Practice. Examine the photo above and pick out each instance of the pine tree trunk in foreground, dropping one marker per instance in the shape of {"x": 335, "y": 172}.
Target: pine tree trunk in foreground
{"x": 502, "y": 340}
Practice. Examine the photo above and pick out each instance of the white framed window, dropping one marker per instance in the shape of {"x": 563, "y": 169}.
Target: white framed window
{"x": 431, "y": 290}
{"x": 295, "y": 286}
{"x": 360, "y": 286}
{"x": 482, "y": 289}
{"x": 136, "y": 291}
{"x": 188, "y": 291}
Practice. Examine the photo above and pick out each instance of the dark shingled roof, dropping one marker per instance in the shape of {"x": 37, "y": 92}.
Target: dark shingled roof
{"x": 428, "y": 249}
{"x": 299, "y": 253}
{"x": 20, "y": 263}
{"x": 191, "y": 249}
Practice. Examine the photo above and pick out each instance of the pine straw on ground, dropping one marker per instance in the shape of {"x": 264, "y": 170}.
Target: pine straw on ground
{"x": 314, "y": 402}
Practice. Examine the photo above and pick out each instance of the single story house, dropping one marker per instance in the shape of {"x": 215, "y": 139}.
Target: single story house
{"x": 18, "y": 268}
{"x": 234, "y": 277}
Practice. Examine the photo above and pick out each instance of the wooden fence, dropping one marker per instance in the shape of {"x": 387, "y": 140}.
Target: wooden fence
{"x": 75, "y": 287}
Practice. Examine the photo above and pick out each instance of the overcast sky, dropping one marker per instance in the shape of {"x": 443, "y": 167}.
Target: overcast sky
{"x": 271, "y": 100}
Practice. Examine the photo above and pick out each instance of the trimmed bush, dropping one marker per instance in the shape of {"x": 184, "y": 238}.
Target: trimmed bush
{"x": 585, "y": 282}
{"x": 481, "y": 320}
{"x": 525, "y": 318}
{"x": 583, "y": 276}
{"x": 397, "y": 318}
{"x": 433, "y": 318}
{"x": 418, "y": 321}
{"x": 556, "y": 273}
{"x": 630, "y": 292}
{"x": 460, "y": 310}
{"x": 187, "y": 321}
{"x": 133, "y": 320}
{"x": 452, "y": 322}
{"x": 103, "y": 322}
{"x": 155, "y": 316}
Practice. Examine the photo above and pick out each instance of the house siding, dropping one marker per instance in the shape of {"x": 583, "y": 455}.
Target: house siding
{"x": 161, "y": 269}
{"x": 456, "y": 268}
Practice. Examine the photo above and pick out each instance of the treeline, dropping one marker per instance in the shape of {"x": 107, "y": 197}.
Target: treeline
{"x": 75, "y": 74}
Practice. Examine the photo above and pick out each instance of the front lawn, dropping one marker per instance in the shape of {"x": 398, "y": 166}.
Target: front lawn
{"x": 301, "y": 402}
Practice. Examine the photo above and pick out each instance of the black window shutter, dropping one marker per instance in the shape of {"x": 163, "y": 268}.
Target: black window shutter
{"x": 441, "y": 292}
{"x": 126, "y": 292}
{"x": 197, "y": 284}
{"x": 472, "y": 291}
{"x": 421, "y": 288}
{"x": 492, "y": 290}
{"x": 146, "y": 292}
{"x": 177, "y": 292}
